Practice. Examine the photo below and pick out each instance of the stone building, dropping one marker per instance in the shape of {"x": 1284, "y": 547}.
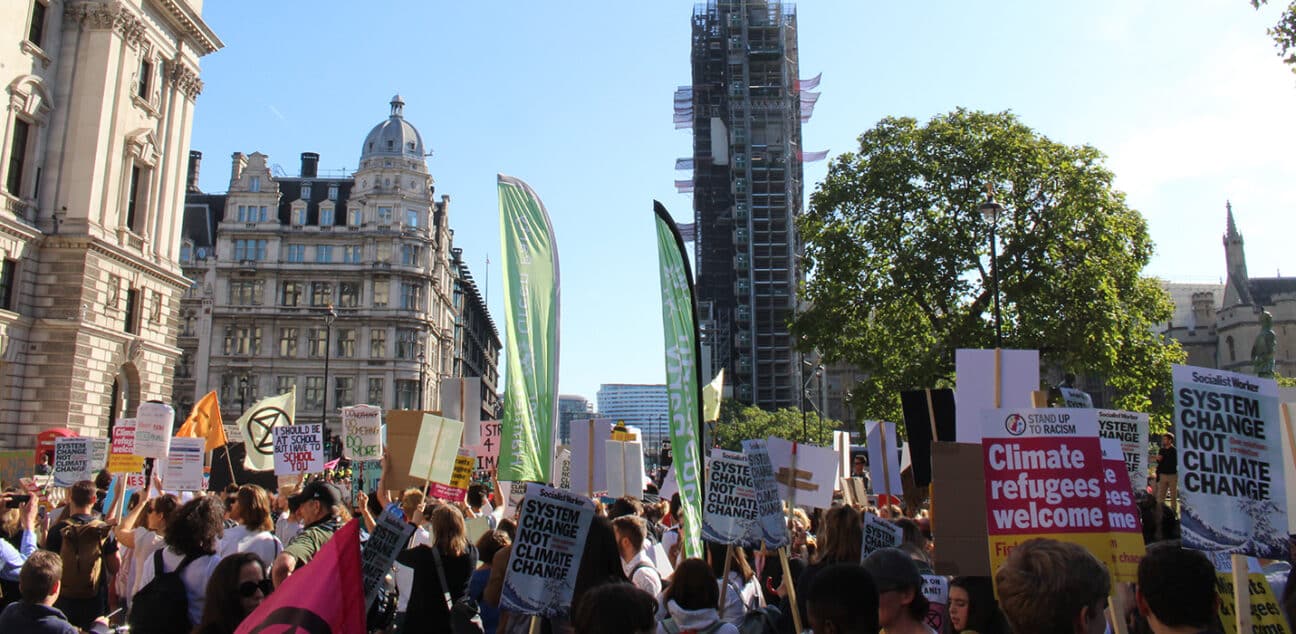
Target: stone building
{"x": 476, "y": 340}
{"x": 101, "y": 97}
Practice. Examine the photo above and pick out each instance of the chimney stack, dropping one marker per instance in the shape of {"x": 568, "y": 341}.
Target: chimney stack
{"x": 238, "y": 164}
{"x": 309, "y": 164}
{"x": 195, "y": 164}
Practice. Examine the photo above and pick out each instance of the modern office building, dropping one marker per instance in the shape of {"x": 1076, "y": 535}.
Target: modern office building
{"x": 746, "y": 112}
{"x": 645, "y": 406}
{"x": 572, "y": 407}
{"x": 100, "y": 99}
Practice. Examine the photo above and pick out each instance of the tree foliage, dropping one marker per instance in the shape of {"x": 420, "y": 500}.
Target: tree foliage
{"x": 1284, "y": 32}
{"x": 739, "y": 422}
{"x": 901, "y": 270}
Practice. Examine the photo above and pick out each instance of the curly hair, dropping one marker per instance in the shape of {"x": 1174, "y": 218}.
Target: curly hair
{"x": 195, "y": 528}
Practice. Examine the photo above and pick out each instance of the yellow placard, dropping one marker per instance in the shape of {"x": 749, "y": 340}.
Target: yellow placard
{"x": 1266, "y": 615}
{"x": 461, "y": 477}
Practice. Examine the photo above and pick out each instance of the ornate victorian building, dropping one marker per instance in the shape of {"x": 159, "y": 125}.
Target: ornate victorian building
{"x": 100, "y": 97}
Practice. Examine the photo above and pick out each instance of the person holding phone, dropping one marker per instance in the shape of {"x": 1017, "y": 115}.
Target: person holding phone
{"x": 12, "y": 559}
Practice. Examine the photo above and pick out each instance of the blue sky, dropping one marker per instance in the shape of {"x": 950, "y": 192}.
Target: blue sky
{"x": 1188, "y": 101}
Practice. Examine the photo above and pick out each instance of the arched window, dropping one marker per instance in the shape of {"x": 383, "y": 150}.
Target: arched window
{"x": 29, "y": 108}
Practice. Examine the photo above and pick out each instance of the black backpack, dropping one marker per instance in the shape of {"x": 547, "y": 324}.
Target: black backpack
{"x": 162, "y": 605}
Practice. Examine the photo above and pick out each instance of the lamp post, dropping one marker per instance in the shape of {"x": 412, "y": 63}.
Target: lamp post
{"x": 329, "y": 316}
{"x": 422, "y": 361}
{"x": 243, "y": 387}
{"x": 990, "y": 211}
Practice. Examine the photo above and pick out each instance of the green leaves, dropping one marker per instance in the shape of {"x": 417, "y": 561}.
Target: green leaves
{"x": 740, "y": 422}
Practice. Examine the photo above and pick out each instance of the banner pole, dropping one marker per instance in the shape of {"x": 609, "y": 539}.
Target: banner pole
{"x": 931, "y": 414}
{"x": 724, "y": 582}
{"x": 1116, "y": 605}
{"x": 998, "y": 379}
{"x": 535, "y": 624}
{"x": 792, "y": 479}
{"x": 229, "y": 462}
{"x": 790, "y": 588}
{"x": 1241, "y": 593}
{"x": 886, "y": 472}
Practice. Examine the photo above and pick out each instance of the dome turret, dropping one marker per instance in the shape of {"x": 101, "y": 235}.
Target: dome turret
{"x": 393, "y": 137}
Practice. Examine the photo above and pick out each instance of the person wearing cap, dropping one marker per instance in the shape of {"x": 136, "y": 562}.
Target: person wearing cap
{"x": 320, "y": 505}
{"x": 902, "y": 607}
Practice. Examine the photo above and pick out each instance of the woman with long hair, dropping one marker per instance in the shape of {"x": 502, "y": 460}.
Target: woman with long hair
{"x": 488, "y": 545}
{"x": 740, "y": 589}
{"x": 450, "y": 557}
{"x": 690, "y": 601}
{"x": 972, "y": 607}
{"x": 255, "y": 530}
{"x": 142, "y": 531}
{"x": 237, "y": 586}
{"x": 840, "y": 540}
{"x": 192, "y": 533}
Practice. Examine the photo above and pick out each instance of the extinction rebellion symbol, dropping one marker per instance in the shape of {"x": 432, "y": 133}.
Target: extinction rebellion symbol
{"x": 1015, "y": 424}
{"x": 260, "y": 428}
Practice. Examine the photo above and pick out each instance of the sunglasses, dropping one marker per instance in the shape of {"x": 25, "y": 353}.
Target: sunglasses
{"x": 249, "y": 588}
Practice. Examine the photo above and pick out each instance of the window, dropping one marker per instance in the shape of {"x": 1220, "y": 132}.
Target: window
{"x": 254, "y": 184}
{"x": 348, "y": 294}
{"x": 343, "y": 390}
{"x": 8, "y": 281}
{"x": 326, "y": 217}
{"x": 242, "y": 340}
{"x": 285, "y": 384}
{"x": 145, "y": 73}
{"x": 131, "y": 324}
{"x": 406, "y": 343}
{"x": 346, "y": 343}
{"x": 332, "y": 192}
{"x": 187, "y": 325}
{"x": 412, "y": 218}
{"x": 253, "y": 250}
{"x": 384, "y": 215}
{"x": 324, "y": 253}
{"x": 381, "y": 290}
{"x": 355, "y": 216}
{"x": 321, "y": 293}
{"x": 314, "y": 395}
{"x": 317, "y": 340}
{"x": 37, "y": 31}
{"x": 246, "y": 292}
{"x": 378, "y": 343}
{"x": 299, "y": 216}
{"x": 252, "y": 213}
{"x": 410, "y": 255}
{"x": 288, "y": 342}
{"x": 375, "y": 392}
{"x": 384, "y": 252}
{"x": 133, "y": 201}
{"x": 305, "y": 192}
{"x": 296, "y": 253}
{"x": 406, "y": 394}
{"x": 351, "y": 253}
{"x": 18, "y": 154}
{"x": 411, "y": 296}
{"x": 291, "y": 293}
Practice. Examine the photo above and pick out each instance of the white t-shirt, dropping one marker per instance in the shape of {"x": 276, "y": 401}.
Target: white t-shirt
{"x": 241, "y": 539}
{"x": 195, "y": 577}
{"x": 286, "y": 529}
{"x": 146, "y": 543}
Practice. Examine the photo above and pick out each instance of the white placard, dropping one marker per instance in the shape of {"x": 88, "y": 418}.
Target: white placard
{"x": 74, "y": 459}
{"x": 182, "y": 470}
{"x": 974, "y": 390}
{"x": 1131, "y": 429}
{"x": 884, "y": 457}
{"x": 879, "y": 534}
{"x": 362, "y": 432}
{"x": 842, "y": 445}
{"x": 436, "y": 448}
{"x": 589, "y": 453}
{"x": 153, "y": 423}
{"x": 814, "y": 474}
{"x": 298, "y": 449}
{"x": 625, "y": 470}
{"x": 461, "y": 401}
{"x": 546, "y": 555}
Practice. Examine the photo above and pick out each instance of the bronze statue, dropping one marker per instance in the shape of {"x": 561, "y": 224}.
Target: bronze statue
{"x": 1262, "y": 351}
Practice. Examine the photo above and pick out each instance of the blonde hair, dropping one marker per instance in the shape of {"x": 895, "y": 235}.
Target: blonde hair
{"x": 448, "y": 532}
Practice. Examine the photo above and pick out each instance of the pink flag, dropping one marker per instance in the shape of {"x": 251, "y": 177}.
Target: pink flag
{"x": 324, "y": 596}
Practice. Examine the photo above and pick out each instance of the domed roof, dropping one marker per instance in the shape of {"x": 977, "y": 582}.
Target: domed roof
{"x": 393, "y": 137}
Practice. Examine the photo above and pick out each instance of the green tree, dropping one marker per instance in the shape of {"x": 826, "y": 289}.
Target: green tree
{"x": 1284, "y": 32}
{"x": 739, "y": 422}
{"x": 901, "y": 274}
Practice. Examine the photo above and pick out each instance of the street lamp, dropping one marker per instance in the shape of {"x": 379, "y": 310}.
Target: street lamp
{"x": 329, "y": 316}
{"x": 243, "y": 387}
{"x": 990, "y": 211}
{"x": 422, "y": 361}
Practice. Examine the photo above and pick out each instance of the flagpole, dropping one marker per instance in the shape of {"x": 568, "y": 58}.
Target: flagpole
{"x": 229, "y": 462}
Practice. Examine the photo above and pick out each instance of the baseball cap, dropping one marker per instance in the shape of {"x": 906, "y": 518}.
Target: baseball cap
{"x": 327, "y": 493}
{"x": 892, "y": 569}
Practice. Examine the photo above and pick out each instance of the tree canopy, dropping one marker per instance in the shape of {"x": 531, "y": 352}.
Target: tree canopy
{"x": 1284, "y": 32}
{"x": 739, "y": 422}
{"x": 901, "y": 273}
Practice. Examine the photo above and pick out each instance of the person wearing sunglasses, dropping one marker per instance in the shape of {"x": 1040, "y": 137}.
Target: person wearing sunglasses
{"x": 237, "y": 586}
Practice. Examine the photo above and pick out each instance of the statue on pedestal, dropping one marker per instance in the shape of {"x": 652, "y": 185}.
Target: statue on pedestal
{"x": 1262, "y": 351}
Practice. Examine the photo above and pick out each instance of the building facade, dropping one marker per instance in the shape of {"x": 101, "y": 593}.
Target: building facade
{"x": 101, "y": 97}
{"x": 571, "y": 408}
{"x": 338, "y": 286}
{"x": 747, "y": 191}
{"x": 645, "y": 406}
{"x": 476, "y": 340}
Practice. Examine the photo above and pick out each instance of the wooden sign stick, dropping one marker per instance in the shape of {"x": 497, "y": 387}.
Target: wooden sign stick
{"x": 886, "y": 472}
{"x": 724, "y": 582}
{"x": 1116, "y": 606}
{"x": 790, "y": 588}
{"x": 1241, "y": 593}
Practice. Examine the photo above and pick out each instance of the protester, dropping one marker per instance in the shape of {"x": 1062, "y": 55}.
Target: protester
{"x": 238, "y": 585}
{"x": 254, "y": 531}
{"x": 689, "y": 602}
{"x": 841, "y": 538}
{"x": 671, "y": 538}
{"x": 40, "y": 583}
{"x": 88, "y": 553}
{"x": 631, "y": 533}
{"x": 1050, "y": 586}
{"x": 11, "y": 558}
{"x": 1176, "y": 589}
{"x": 287, "y": 520}
{"x": 614, "y": 607}
{"x": 192, "y": 533}
{"x": 842, "y": 600}
{"x": 144, "y": 540}
{"x": 902, "y": 607}
{"x": 450, "y": 557}
{"x": 320, "y": 507}
{"x": 1167, "y": 474}
{"x": 625, "y": 505}
{"x": 477, "y": 507}
{"x": 490, "y": 543}
{"x": 739, "y": 587}
{"x": 972, "y": 607}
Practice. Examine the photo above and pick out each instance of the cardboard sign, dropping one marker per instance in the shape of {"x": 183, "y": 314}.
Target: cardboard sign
{"x": 774, "y": 529}
{"x": 958, "y": 492}
{"x": 564, "y": 469}
{"x": 1043, "y": 478}
{"x": 436, "y": 449}
{"x": 546, "y": 554}
{"x": 1017, "y": 378}
{"x": 1122, "y": 515}
{"x": 402, "y": 434}
{"x": 729, "y": 511}
{"x": 589, "y": 455}
{"x": 390, "y": 535}
{"x": 121, "y": 454}
{"x": 461, "y": 401}
{"x": 1266, "y": 609}
{"x": 884, "y": 461}
{"x": 853, "y": 491}
{"x": 928, "y": 417}
{"x": 625, "y": 468}
{"x": 1131, "y": 430}
{"x": 1231, "y": 489}
{"x": 182, "y": 470}
{"x": 362, "y": 432}
{"x": 298, "y": 449}
{"x": 461, "y": 476}
{"x": 487, "y": 451}
{"x": 75, "y": 459}
{"x": 806, "y": 478}
{"x": 879, "y": 534}
{"x": 16, "y": 464}
{"x": 936, "y": 589}
{"x": 153, "y": 423}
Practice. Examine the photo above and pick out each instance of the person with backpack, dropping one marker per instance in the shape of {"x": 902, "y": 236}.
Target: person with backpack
{"x": 740, "y": 589}
{"x": 142, "y": 532}
{"x": 630, "y": 535}
{"x": 40, "y": 581}
{"x": 89, "y": 555}
{"x": 690, "y": 601}
{"x": 174, "y": 579}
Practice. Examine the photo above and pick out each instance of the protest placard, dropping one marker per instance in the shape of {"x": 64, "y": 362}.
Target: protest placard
{"x": 73, "y": 460}
{"x": 625, "y": 470}
{"x": 879, "y": 534}
{"x": 729, "y": 511}
{"x": 936, "y": 589}
{"x": 16, "y": 464}
{"x": 564, "y": 469}
{"x": 884, "y": 461}
{"x": 436, "y": 449}
{"x": 487, "y": 451}
{"x": 1131, "y": 430}
{"x": 390, "y": 536}
{"x": 298, "y": 449}
{"x": 362, "y": 432}
{"x": 1231, "y": 490}
{"x": 804, "y": 476}
{"x": 182, "y": 470}
{"x": 842, "y": 446}
{"x": 153, "y": 423}
{"x": 1071, "y": 397}
{"x": 1266, "y": 609}
{"x": 589, "y": 455}
{"x": 978, "y": 372}
{"x": 774, "y": 529}
{"x": 958, "y": 490}
{"x": 928, "y": 417}
{"x": 546, "y": 554}
{"x": 461, "y": 401}
{"x": 475, "y": 527}
{"x": 121, "y": 454}
{"x": 1122, "y": 515}
{"x": 402, "y": 431}
{"x": 1043, "y": 478}
{"x": 460, "y": 477}
{"x": 364, "y": 478}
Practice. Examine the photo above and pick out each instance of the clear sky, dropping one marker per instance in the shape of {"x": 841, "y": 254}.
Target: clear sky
{"x": 1188, "y": 100}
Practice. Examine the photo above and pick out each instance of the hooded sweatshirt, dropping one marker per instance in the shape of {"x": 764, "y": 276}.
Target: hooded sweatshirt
{"x": 694, "y": 620}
